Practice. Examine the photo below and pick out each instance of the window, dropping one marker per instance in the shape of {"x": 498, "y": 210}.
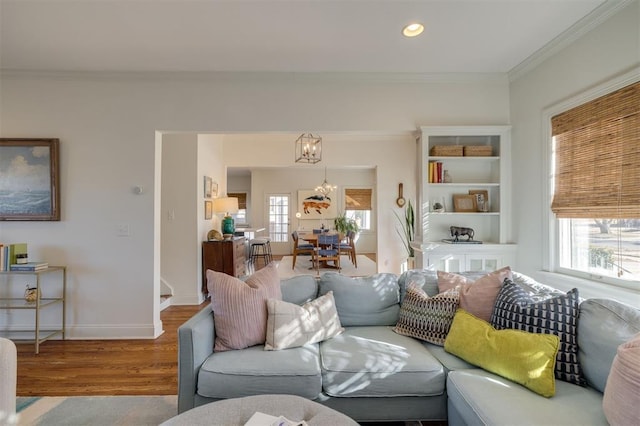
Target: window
{"x": 241, "y": 216}
{"x": 358, "y": 206}
{"x": 596, "y": 186}
{"x": 279, "y": 218}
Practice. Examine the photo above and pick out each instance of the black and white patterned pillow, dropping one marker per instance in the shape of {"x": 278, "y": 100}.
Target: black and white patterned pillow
{"x": 558, "y": 315}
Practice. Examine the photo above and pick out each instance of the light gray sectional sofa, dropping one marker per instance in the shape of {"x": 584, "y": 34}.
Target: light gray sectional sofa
{"x": 371, "y": 373}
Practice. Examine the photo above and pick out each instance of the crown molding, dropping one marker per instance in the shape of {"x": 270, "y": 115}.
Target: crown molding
{"x": 599, "y": 15}
{"x": 350, "y": 77}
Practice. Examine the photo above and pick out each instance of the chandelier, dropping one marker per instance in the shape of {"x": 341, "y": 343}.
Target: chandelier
{"x": 326, "y": 188}
{"x": 308, "y": 148}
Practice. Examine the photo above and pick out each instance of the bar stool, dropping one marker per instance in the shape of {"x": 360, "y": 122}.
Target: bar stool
{"x": 260, "y": 248}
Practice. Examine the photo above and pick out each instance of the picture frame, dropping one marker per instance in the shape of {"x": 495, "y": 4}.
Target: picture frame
{"x": 208, "y": 185}
{"x": 31, "y": 179}
{"x": 214, "y": 190}
{"x": 313, "y": 205}
{"x": 481, "y": 199}
{"x": 208, "y": 210}
{"x": 464, "y": 203}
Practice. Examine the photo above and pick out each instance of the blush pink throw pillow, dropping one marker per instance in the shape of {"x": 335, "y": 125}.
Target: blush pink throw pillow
{"x": 240, "y": 307}
{"x": 476, "y": 297}
{"x": 622, "y": 393}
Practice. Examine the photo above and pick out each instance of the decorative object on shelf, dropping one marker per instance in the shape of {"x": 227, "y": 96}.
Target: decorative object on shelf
{"x": 400, "y": 201}
{"x": 308, "y": 148}
{"x": 30, "y": 192}
{"x": 446, "y": 151}
{"x": 228, "y": 206}
{"x": 437, "y": 206}
{"x": 478, "y": 151}
{"x": 459, "y": 231}
{"x": 343, "y": 224}
{"x": 464, "y": 203}
{"x": 31, "y": 294}
{"x": 446, "y": 177}
{"x": 481, "y": 199}
{"x": 325, "y": 188}
{"x": 408, "y": 230}
{"x": 214, "y": 235}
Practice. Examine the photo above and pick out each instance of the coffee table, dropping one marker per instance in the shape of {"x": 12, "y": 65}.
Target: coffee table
{"x": 237, "y": 411}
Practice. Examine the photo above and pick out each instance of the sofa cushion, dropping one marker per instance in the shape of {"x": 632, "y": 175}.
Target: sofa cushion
{"x": 425, "y": 278}
{"x": 372, "y": 300}
{"x": 427, "y": 318}
{"x": 622, "y": 395}
{"x": 290, "y": 325}
{"x": 508, "y": 353}
{"x": 376, "y": 362}
{"x": 476, "y": 296}
{"x": 478, "y": 397}
{"x": 299, "y": 289}
{"x": 557, "y": 315}
{"x": 449, "y": 361}
{"x": 604, "y": 325}
{"x": 254, "y": 371}
{"x": 240, "y": 307}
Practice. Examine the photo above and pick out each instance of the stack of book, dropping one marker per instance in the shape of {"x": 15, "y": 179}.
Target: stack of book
{"x": 11, "y": 254}
{"x": 436, "y": 173}
{"x": 29, "y": 266}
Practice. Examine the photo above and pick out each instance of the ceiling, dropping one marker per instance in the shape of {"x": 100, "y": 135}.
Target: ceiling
{"x": 283, "y": 36}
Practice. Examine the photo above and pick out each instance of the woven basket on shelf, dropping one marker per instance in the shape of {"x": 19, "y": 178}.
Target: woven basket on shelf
{"x": 478, "y": 151}
{"x": 446, "y": 151}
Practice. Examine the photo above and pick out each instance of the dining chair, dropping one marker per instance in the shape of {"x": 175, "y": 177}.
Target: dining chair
{"x": 327, "y": 251}
{"x": 317, "y": 231}
{"x": 348, "y": 247}
{"x": 300, "y": 248}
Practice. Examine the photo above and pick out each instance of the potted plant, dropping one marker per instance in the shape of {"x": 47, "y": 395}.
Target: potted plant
{"x": 408, "y": 232}
{"x": 343, "y": 224}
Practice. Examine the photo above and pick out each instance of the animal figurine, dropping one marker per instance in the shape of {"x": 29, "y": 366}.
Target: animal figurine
{"x": 458, "y": 231}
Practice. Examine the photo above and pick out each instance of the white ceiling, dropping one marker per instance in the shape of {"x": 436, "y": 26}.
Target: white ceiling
{"x": 282, "y": 36}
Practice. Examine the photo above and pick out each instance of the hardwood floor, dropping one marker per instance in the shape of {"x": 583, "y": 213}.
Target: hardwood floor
{"x": 106, "y": 367}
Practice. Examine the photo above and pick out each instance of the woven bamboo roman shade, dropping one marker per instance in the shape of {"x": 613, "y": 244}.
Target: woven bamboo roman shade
{"x": 597, "y": 149}
{"x": 357, "y": 199}
{"x": 242, "y": 199}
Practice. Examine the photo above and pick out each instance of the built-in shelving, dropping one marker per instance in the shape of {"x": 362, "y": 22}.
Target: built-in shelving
{"x": 487, "y": 173}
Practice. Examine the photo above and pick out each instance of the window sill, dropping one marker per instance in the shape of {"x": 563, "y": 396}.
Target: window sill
{"x": 588, "y": 289}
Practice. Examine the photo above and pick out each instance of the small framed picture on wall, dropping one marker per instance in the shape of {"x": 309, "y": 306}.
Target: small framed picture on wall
{"x": 208, "y": 210}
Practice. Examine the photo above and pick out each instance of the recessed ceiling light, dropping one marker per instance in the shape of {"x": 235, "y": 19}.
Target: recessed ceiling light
{"x": 413, "y": 30}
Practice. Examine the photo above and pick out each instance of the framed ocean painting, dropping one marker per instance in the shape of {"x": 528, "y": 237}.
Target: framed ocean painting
{"x": 29, "y": 179}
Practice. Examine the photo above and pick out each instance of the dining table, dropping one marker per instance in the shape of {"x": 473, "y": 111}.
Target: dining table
{"x": 313, "y": 239}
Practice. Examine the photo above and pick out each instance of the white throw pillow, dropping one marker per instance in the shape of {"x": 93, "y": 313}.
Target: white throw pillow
{"x": 290, "y": 325}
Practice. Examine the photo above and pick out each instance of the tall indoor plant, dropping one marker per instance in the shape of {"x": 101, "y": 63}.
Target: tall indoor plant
{"x": 343, "y": 224}
{"x": 408, "y": 232}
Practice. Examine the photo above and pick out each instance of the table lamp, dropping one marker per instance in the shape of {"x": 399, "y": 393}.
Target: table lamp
{"x": 228, "y": 206}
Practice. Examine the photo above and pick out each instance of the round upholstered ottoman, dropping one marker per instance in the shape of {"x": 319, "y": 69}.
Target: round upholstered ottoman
{"x": 237, "y": 411}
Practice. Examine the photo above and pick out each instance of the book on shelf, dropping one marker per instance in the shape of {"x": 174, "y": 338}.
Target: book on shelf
{"x": 17, "y": 253}
{"x": 29, "y": 266}
{"x": 435, "y": 172}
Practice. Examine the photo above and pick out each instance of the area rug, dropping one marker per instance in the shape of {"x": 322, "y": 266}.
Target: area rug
{"x": 96, "y": 410}
{"x": 365, "y": 267}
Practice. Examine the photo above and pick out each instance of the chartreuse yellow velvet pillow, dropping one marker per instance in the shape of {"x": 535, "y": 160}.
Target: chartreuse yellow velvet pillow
{"x": 525, "y": 358}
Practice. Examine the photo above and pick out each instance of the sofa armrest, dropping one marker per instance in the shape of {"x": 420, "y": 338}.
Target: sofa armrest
{"x": 195, "y": 345}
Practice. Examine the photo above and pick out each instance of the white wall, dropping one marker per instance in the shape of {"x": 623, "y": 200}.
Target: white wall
{"x": 609, "y": 50}
{"x": 107, "y": 126}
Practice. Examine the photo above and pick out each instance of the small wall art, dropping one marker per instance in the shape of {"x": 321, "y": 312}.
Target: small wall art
{"x": 30, "y": 179}
{"x": 208, "y": 210}
{"x": 208, "y": 185}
